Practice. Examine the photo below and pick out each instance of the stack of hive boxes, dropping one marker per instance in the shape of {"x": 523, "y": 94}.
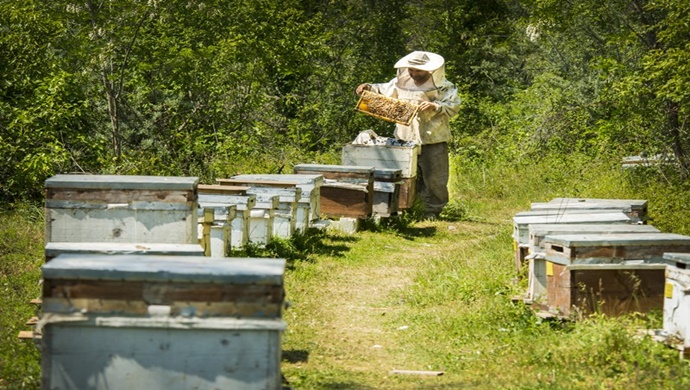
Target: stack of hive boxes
{"x": 593, "y": 255}
{"x": 396, "y": 157}
{"x": 128, "y": 297}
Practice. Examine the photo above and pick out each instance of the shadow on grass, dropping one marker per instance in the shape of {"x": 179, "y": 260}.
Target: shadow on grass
{"x": 295, "y": 356}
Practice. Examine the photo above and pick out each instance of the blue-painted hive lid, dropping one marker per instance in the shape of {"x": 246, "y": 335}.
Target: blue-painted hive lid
{"x": 155, "y": 268}
{"x": 122, "y": 182}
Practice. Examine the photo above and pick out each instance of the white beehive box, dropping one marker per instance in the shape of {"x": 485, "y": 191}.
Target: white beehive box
{"x": 677, "y": 297}
{"x": 215, "y": 228}
{"x": 243, "y": 202}
{"x": 151, "y": 322}
{"x": 124, "y": 209}
{"x": 383, "y": 157}
{"x": 309, "y": 203}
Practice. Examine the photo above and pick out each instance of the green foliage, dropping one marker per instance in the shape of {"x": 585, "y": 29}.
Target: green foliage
{"x": 21, "y": 254}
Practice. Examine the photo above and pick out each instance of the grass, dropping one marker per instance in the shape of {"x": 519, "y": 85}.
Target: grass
{"x": 426, "y": 296}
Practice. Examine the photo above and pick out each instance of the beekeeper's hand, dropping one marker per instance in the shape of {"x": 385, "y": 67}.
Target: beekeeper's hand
{"x": 427, "y": 106}
{"x": 362, "y": 87}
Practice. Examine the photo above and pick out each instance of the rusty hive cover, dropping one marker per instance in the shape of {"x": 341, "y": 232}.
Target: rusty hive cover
{"x": 386, "y": 108}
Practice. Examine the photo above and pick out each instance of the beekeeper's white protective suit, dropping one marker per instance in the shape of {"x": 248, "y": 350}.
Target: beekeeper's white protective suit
{"x": 430, "y": 128}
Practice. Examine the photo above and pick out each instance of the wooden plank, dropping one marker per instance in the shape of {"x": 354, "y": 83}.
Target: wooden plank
{"x": 415, "y": 372}
{"x": 29, "y": 335}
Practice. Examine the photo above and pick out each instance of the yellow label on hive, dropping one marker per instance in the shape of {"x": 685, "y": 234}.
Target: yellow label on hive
{"x": 668, "y": 290}
{"x": 549, "y": 268}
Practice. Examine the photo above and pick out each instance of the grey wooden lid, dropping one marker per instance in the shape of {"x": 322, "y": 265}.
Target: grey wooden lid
{"x": 621, "y": 239}
{"x": 122, "y": 182}
{"x": 635, "y": 204}
{"x": 191, "y": 269}
{"x": 53, "y": 249}
{"x": 682, "y": 259}
{"x": 562, "y": 228}
{"x": 332, "y": 168}
{"x": 609, "y": 217}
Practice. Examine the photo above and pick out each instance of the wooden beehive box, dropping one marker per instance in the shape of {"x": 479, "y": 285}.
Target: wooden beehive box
{"x": 386, "y": 108}
{"x": 636, "y": 209}
{"x": 537, "y": 261}
{"x": 569, "y": 249}
{"x": 677, "y": 298}
{"x": 215, "y": 228}
{"x": 309, "y": 203}
{"x": 611, "y": 289}
{"x": 243, "y": 202}
{"x": 347, "y": 191}
{"x": 522, "y": 222}
{"x": 143, "y": 322}
{"x": 289, "y": 194}
{"x": 262, "y": 218}
{"x": 386, "y": 191}
{"x": 388, "y": 157}
{"x": 123, "y": 209}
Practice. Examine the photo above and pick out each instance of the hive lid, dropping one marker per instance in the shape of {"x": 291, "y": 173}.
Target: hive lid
{"x": 620, "y": 239}
{"x": 123, "y": 182}
{"x": 677, "y": 259}
{"x": 190, "y": 269}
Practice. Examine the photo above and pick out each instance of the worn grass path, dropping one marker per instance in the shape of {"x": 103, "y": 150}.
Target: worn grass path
{"x": 363, "y": 310}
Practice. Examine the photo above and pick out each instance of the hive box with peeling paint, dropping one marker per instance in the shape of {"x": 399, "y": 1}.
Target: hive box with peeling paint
{"x": 161, "y": 322}
{"x": 120, "y": 208}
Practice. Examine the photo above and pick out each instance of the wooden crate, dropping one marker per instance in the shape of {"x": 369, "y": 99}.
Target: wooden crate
{"x": 386, "y": 192}
{"x": 309, "y": 203}
{"x": 348, "y": 191}
{"x": 143, "y": 322}
{"x": 611, "y": 289}
{"x": 677, "y": 298}
{"x": 122, "y": 209}
{"x": 569, "y": 249}
{"x": 537, "y": 262}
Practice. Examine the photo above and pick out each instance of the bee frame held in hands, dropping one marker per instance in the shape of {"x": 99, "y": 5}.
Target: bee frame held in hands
{"x": 386, "y": 108}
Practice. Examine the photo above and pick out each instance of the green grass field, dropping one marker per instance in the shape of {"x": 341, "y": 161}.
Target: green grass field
{"x": 410, "y": 295}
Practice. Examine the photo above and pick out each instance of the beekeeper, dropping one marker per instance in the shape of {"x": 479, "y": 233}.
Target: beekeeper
{"x": 421, "y": 79}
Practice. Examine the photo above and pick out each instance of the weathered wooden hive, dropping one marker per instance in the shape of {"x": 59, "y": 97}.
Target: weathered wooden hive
{"x": 215, "y": 228}
{"x": 123, "y": 209}
{"x": 309, "y": 203}
{"x": 386, "y": 191}
{"x": 289, "y": 194}
{"x": 522, "y": 221}
{"x": 388, "y": 157}
{"x": 612, "y": 273}
{"x": 142, "y": 322}
{"x": 677, "y": 298}
{"x": 231, "y": 196}
{"x": 347, "y": 191}
{"x": 537, "y": 261}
